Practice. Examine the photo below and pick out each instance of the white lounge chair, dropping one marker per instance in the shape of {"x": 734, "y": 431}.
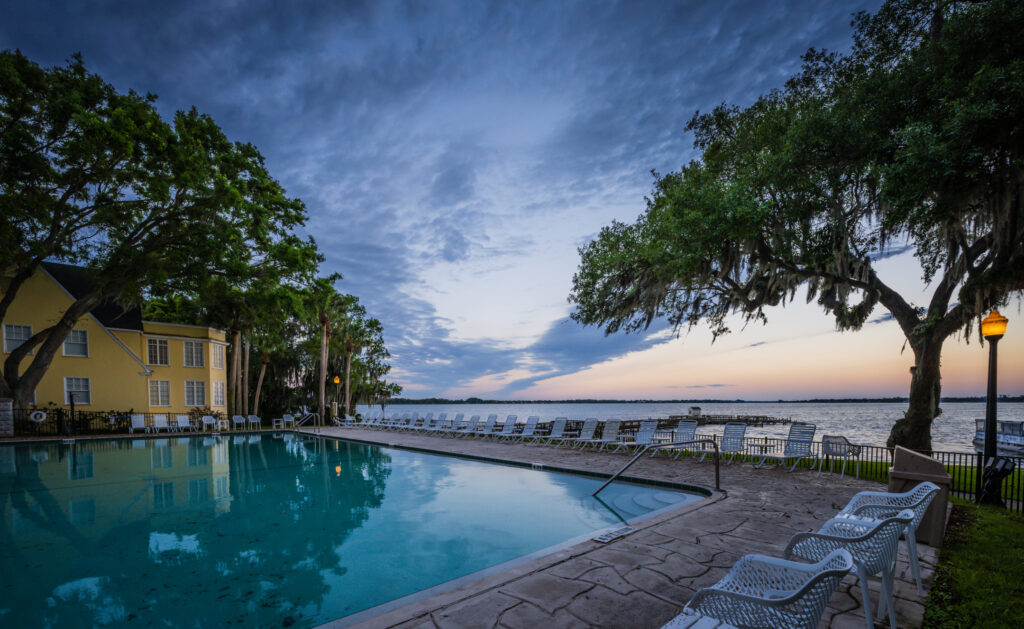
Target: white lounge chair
{"x": 799, "y": 445}
{"x": 508, "y": 429}
{"x": 644, "y": 437}
{"x": 761, "y": 591}
{"x": 237, "y": 422}
{"x": 183, "y": 423}
{"x": 488, "y": 427}
{"x": 253, "y": 420}
{"x": 587, "y": 432}
{"x": 685, "y": 430}
{"x": 529, "y": 428}
{"x": 468, "y": 429}
{"x": 873, "y": 546}
{"x": 557, "y": 432}
{"x": 733, "y": 440}
{"x": 880, "y": 504}
{"x": 138, "y": 422}
{"x": 609, "y": 435}
{"x": 452, "y": 425}
{"x": 160, "y": 423}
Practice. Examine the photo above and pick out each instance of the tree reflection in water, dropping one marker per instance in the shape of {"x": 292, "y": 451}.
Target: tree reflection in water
{"x": 192, "y": 532}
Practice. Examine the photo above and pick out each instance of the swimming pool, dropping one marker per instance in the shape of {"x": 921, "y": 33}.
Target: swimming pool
{"x": 275, "y": 529}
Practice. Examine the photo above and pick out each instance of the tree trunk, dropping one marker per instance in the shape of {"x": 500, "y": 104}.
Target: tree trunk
{"x": 264, "y": 359}
{"x": 348, "y": 378}
{"x": 914, "y": 430}
{"x": 245, "y": 377}
{"x": 323, "y": 365}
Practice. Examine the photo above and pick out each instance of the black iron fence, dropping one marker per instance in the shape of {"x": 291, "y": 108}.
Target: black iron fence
{"x": 55, "y": 422}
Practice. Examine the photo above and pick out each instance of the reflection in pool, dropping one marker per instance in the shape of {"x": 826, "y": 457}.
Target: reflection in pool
{"x": 272, "y": 529}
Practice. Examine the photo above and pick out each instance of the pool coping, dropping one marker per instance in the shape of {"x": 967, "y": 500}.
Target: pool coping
{"x": 450, "y": 592}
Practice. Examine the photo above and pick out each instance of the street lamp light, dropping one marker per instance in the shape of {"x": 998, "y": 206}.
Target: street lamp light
{"x": 992, "y": 328}
{"x": 337, "y": 392}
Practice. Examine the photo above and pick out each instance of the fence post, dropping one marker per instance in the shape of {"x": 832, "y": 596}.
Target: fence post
{"x": 72, "y": 426}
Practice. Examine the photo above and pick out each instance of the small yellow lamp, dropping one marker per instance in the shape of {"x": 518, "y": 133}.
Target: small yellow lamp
{"x": 993, "y": 326}
{"x": 337, "y": 380}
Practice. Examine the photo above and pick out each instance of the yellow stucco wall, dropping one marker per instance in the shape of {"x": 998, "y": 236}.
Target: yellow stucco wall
{"x": 116, "y": 362}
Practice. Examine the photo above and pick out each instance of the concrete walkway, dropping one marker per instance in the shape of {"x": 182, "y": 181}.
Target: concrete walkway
{"x": 645, "y": 578}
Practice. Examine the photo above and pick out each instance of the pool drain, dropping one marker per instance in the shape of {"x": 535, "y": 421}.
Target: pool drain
{"x": 614, "y": 534}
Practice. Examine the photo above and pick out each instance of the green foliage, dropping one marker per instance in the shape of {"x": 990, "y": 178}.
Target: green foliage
{"x": 914, "y": 138}
{"x": 975, "y": 584}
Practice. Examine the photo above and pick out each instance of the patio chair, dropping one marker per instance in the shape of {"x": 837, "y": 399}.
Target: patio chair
{"x": 160, "y": 422}
{"x": 183, "y": 423}
{"x": 557, "y": 432}
{"x": 733, "y": 440}
{"x": 468, "y": 429}
{"x": 761, "y": 591}
{"x": 442, "y": 420}
{"x": 430, "y": 425}
{"x": 873, "y": 546}
{"x": 587, "y": 438}
{"x": 799, "y": 445}
{"x": 138, "y": 422}
{"x": 208, "y": 420}
{"x": 237, "y": 422}
{"x": 253, "y": 420}
{"x": 880, "y": 504}
{"x": 686, "y": 430}
{"x": 287, "y": 419}
{"x": 838, "y": 447}
{"x": 453, "y": 425}
{"x": 586, "y": 434}
{"x": 529, "y": 428}
{"x": 488, "y": 428}
{"x": 508, "y": 428}
{"x": 643, "y": 437}
{"x": 609, "y": 434}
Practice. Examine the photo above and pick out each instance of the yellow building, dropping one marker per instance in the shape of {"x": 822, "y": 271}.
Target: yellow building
{"x": 113, "y": 360}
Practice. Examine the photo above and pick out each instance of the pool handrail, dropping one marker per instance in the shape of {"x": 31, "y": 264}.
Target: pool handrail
{"x": 644, "y": 450}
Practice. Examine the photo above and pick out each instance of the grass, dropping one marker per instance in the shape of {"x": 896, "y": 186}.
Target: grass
{"x": 979, "y": 581}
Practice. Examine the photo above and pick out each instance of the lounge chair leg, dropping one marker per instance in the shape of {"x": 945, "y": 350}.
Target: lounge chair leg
{"x": 862, "y": 576}
{"x": 915, "y": 567}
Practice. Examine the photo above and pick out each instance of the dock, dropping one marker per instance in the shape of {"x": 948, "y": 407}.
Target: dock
{"x": 750, "y": 420}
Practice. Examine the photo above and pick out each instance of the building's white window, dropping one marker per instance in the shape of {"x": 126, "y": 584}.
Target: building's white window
{"x": 15, "y": 335}
{"x": 77, "y": 388}
{"x": 80, "y": 466}
{"x": 159, "y": 392}
{"x": 218, "y": 355}
{"x": 157, "y": 353}
{"x": 195, "y": 393}
{"x": 194, "y": 354}
{"x": 218, "y": 393}
{"x": 77, "y": 343}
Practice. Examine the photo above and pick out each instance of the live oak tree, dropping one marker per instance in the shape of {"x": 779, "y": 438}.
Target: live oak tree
{"x": 95, "y": 177}
{"x": 914, "y": 139}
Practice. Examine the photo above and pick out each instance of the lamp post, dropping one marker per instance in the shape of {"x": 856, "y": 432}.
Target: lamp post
{"x": 337, "y": 392}
{"x": 992, "y": 328}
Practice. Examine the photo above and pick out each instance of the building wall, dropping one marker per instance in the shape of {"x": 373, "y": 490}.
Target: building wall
{"x": 117, "y": 364}
{"x": 116, "y": 377}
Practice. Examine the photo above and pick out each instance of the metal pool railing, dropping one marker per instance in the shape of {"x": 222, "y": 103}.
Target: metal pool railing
{"x": 653, "y": 446}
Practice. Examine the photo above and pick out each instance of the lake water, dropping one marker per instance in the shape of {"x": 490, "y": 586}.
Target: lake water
{"x": 865, "y": 423}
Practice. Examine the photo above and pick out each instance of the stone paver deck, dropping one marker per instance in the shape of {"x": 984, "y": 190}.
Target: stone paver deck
{"x": 645, "y": 578}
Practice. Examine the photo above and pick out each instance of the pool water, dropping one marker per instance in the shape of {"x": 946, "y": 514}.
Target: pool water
{"x": 268, "y": 530}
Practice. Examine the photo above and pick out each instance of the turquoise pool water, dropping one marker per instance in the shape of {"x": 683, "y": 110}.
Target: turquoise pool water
{"x": 268, "y": 530}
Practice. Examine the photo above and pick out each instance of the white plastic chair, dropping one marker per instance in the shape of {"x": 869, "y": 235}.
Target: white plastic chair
{"x": 183, "y": 423}
{"x": 880, "y": 504}
{"x": 643, "y": 437}
{"x": 488, "y": 427}
{"x": 733, "y": 440}
{"x": 529, "y": 428}
{"x": 764, "y": 591}
{"x": 508, "y": 428}
{"x": 685, "y": 430}
{"x": 288, "y": 419}
{"x": 138, "y": 422}
{"x": 468, "y": 429}
{"x": 253, "y": 420}
{"x": 838, "y": 447}
{"x": 160, "y": 423}
{"x": 208, "y": 420}
{"x": 799, "y": 445}
{"x": 873, "y": 546}
{"x": 237, "y": 421}
{"x": 587, "y": 432}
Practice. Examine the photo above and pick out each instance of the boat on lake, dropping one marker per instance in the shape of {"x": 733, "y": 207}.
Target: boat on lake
{"x": 1009, "y": 437}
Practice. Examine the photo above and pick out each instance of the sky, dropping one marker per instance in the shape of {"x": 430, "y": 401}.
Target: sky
{"x": 453, "y": 156}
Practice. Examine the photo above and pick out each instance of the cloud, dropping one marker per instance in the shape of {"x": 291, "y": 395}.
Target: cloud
{"x": 436, "y": 144}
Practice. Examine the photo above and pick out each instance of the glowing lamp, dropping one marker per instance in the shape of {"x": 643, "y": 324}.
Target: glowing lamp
{"x": 994, "y": 325}
{"x": 337, "y": 380}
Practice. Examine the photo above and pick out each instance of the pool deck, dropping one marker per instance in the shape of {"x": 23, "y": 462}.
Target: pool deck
{"x": 645, "y": 578}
